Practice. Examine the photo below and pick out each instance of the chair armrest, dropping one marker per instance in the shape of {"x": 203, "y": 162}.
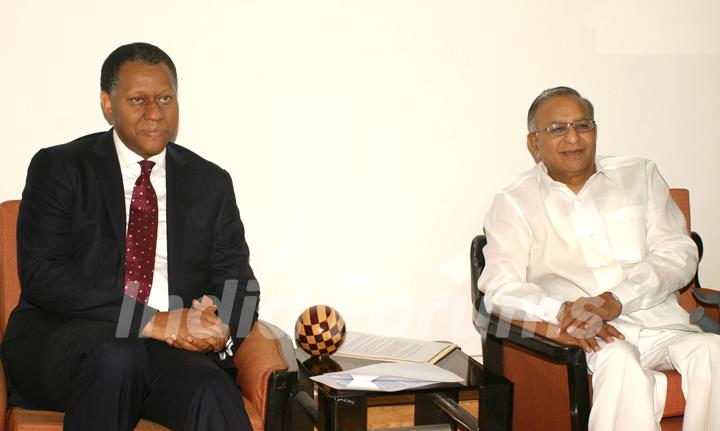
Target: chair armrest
{"x": 707, "y": 297}
{"x": 698, "y": 243}
{"x": 532, "y": 339}
{"x": 529, "y": 335}
{"x": 541, "y": 340}
{"x": 266, "y": 365}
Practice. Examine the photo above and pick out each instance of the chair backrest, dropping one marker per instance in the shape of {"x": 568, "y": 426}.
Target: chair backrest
{"x": 682, "y": 199}
{"x": 687, "y": 300}
{"x": 9, "y": 282}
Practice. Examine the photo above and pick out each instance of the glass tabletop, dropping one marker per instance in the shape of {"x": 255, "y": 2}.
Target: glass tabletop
{"x": 474, "y": 374}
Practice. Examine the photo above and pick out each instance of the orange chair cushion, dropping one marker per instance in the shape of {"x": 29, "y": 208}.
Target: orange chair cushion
{"x": 256, "y": 419}
{"x": 259, "y": 351}
{"x": 675, "y": 401}
{"x": 10, "y": 292}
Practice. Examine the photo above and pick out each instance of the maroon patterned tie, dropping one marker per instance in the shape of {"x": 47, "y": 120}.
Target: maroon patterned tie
{"x": 141, "y": 236}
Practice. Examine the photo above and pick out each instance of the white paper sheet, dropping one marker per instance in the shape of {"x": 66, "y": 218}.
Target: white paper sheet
{"x": 388, "y": 377}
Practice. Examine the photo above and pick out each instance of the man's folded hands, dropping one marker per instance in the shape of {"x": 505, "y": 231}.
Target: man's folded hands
{"x": 586, "y": 319}
{"x": 197, "y": 329}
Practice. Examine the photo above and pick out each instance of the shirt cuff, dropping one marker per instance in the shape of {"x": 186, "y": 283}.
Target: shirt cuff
{"x": 548, "y": 309}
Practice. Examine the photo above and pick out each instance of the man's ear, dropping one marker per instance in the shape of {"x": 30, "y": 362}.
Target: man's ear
{"x": 532, "y": 146}
{"x": 106, "y": 105}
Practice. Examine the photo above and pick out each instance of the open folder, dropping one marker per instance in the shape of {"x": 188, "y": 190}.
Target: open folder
{"x": 384, "y": 348}
{"x": 388, "y": 377}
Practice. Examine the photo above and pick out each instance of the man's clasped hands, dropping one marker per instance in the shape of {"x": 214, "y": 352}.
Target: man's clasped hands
{"x": 197, "y": 329}
{"x": 585, "y": 320}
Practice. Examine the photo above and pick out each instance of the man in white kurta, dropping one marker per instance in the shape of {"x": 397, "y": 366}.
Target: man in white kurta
{"x": 597, "y": 246}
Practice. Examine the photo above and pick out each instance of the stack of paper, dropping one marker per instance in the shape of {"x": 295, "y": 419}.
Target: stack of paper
{"x": 388, "y": 377}
{"x": 380, "y": 347}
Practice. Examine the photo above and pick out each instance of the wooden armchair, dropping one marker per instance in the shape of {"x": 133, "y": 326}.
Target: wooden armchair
{"x": 553, "y": 390}
{"x": 267, "y": 370}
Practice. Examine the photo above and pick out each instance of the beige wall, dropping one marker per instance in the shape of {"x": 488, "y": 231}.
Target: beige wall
{"x": 367, "y": 138}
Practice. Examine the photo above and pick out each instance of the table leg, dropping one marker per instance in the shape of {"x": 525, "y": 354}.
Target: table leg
{"x": 341, "y": 413}
{"x": 304, "y": 407}
{"x": 428, "y": 413}
{"x": 496, "y": 408}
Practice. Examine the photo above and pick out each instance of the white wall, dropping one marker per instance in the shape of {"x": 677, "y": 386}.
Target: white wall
{"x": 367, "y": 138}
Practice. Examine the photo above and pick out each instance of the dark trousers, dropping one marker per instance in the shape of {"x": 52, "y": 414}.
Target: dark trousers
{"x": 102, "y": 382}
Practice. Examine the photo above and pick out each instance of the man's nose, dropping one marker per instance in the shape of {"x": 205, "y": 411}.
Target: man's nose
{"x": 153, "y": 111}
{"x": 572, "y": 134}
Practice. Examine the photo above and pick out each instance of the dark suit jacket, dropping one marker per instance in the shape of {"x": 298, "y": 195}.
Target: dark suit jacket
{"x": 71, "y": 238}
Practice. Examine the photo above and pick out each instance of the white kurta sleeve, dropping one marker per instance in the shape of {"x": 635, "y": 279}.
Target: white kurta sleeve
{"x": 671, "y": 256}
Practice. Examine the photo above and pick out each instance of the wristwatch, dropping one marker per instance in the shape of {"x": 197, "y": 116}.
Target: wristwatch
{"x": 228, "y": 350}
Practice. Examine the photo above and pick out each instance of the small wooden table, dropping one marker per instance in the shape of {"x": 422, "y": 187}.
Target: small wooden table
{"x": 346, "y": 410}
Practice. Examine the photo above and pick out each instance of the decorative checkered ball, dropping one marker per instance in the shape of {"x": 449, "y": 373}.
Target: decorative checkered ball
{"x": 320, "y": 330}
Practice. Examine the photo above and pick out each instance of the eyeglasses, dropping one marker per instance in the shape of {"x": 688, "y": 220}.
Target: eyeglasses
{"x": 561, "y": 129}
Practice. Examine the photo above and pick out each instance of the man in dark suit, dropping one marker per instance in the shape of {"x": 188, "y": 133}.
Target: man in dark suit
{"x": 136, "y": 286}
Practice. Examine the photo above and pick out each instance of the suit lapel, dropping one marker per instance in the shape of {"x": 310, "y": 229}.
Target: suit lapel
{"x": 176, "y": 180}
{"x": 107, "y": 169}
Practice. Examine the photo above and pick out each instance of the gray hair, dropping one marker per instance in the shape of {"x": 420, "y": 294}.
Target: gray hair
{"x": 550, "y": 93}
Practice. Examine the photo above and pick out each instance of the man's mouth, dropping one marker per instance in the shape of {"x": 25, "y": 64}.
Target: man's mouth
{"x": 572, "y": 153}
{"x": 154, "y": 133}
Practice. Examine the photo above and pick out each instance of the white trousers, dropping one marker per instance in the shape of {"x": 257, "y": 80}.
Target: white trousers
{"x": 629, "y": 391}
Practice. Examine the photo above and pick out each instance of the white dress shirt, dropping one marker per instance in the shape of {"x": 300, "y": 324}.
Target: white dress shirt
{"x": 130, "y": 169}
{"x": 622, "y": 233}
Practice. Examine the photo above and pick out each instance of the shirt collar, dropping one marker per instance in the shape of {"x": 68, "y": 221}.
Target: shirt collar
{"x": 542, "y": 174}
{"x": 128, "y": 158}
{"x": 606, "y": 169}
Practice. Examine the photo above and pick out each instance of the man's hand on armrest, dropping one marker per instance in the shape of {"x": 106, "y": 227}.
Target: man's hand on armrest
{"x": 196, "y": 329}
{"x": 586, "y": 315}
{"x": 582, "y": 323}
{"x": 588, "y": 342}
